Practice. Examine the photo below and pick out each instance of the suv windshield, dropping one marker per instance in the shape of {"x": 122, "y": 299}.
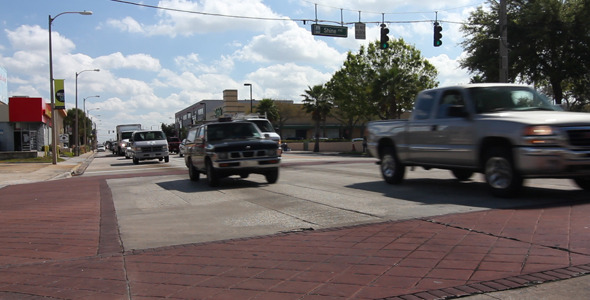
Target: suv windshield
{"x": 493, "y": 99}
{"x": 217, "y": 132}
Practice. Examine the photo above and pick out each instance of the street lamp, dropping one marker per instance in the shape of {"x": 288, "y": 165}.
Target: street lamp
{"x": 250, "y": 85}
{"x": 51, "y": 95}
{"x": 86, "y": 113}
{"x": 76, "y": 126}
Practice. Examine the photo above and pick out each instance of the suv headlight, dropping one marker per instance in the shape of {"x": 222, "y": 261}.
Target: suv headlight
{"x": 541, "y": 135}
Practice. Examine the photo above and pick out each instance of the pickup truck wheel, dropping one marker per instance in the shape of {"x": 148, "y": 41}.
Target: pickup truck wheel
{"x": 583, "y": 182}
{"x": 391, "y": 169}
{"x": 502, "y": 179}
{"x": 462, "y": 175}
{"x": 193, "y": 173}
{"x": 167, "y": 159}
{"x": 212, "y": 177}
{"x": 135, "y": 161}
{"x": 272, "y": 176}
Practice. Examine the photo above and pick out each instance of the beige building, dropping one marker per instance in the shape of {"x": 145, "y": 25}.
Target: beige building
{"x": 294, "y": 123}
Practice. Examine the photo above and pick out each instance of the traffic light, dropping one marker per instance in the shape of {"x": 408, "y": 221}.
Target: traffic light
{"x": 437, "y": 34}
{"x": 384, "y": 43}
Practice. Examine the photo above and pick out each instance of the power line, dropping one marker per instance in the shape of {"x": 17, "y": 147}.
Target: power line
{"x": 273, "y": 19}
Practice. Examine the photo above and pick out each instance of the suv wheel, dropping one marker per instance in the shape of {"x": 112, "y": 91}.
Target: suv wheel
{"x": 212, "y": 177}
{"x": 272, "y": 176}
{"x": 193, "y": 173}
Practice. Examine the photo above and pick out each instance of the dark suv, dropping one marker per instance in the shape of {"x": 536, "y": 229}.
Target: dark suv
{"x": 222, "y": 149}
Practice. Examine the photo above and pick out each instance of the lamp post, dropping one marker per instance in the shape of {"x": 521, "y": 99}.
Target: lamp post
{"x": 86, "y": 113}
{"x": 51, "y": 94}
{"x": 76, "y": 126}
{"x": 250, "y": 85}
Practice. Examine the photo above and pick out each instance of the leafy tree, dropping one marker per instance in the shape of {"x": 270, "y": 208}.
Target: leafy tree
{"x": 317, "y": 103}
{"x": 380, "y": 82}
{"x": 268, "y": 107}
{"x": 548, "y": 43}
{"x": 169, "y": 130}
{"x": 70, "y": 122}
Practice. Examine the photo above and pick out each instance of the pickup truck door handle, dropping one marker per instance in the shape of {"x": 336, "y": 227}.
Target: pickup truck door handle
{"x": 434, "y": 128}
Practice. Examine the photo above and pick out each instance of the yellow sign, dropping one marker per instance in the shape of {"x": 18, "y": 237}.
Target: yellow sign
{"x": 60, "y": 94}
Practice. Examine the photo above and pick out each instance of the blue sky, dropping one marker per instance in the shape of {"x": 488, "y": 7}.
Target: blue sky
{"x": 154, "y": 62}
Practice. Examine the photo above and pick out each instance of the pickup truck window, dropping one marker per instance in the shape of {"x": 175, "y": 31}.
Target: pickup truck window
{"x": 424, "y": 104}
{"x": 449, "y": 98}
{"x": 493, "y": 99}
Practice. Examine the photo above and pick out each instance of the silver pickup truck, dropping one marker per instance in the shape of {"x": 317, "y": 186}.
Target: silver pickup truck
{"x": 507, "y": 132}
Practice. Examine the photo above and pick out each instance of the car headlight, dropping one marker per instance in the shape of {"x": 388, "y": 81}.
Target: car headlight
{"x": 222, "y": 155}
{"x": 272, "y": 152}
{"x": 541, "y": 135}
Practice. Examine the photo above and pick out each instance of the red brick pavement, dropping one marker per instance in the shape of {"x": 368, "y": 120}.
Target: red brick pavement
{"x": 59, "y": 240}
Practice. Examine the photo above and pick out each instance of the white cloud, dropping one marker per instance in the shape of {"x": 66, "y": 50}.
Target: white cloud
{"x": 135, "y": 61}
{"x": 285, "y": 81}
{"x": 127, "y": 24}
{"x": 449, "y": 70}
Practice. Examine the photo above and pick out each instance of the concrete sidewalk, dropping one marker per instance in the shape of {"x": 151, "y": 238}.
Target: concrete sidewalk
{"x": 59, "y": 239}
{"x": 19, "y": 173}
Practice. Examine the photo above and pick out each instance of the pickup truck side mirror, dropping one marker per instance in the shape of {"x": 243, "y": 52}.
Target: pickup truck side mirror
{"x": 457, "y": 111}
{"x": 267, "y": 136}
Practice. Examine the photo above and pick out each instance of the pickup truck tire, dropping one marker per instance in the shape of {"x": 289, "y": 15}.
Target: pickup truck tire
{"x": 583, "y": 182}
{"x": 272, "y": 176}
{"x": 212, "y": 177}
{"x": 167, "y": 159}
{"x": 462, "y": 175}
{"x": 193, "y": 173}
{"x": 500, "y": 175}
{"x": 135, "y": 161}
{"x": 392, "y": 169}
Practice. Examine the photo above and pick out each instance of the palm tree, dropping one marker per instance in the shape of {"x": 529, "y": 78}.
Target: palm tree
{"x": 268, "y": 107}
{"x": 317, "y": 103}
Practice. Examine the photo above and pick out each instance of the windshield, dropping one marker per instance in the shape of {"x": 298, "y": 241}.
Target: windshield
{"x": 503, "y": 98}
{"x": 126, "y": 135}
{"x": 217, "y": 132}
{"x": 263, "y": 125}
{"x": 149, "y": 136}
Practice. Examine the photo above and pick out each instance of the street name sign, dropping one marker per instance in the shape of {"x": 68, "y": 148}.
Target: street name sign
{"x": 327, "y": 30}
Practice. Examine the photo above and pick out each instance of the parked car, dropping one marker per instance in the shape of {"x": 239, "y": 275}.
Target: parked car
{"x": 148, "y": 144}
{"x": 101, "y": 148}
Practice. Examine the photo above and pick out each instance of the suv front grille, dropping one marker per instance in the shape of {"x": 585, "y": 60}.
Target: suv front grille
{"x": 248, "y": 154}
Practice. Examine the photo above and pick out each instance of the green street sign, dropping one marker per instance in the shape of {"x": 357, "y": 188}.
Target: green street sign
{"x": 327, "y": 30}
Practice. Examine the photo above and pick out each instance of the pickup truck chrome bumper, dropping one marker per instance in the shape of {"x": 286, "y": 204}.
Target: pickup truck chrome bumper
{"x": 552, "y": 162}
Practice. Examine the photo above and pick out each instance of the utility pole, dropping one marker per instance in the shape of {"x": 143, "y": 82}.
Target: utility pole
{"x": 503, "y": 42}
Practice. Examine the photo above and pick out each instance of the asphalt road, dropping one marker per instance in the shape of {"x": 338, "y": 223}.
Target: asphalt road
{"x": 313, "y": 192}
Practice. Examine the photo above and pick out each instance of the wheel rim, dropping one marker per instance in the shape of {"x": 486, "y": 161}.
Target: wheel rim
{"x": 498, "y": 172}
{"x": 388, "y": 166}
